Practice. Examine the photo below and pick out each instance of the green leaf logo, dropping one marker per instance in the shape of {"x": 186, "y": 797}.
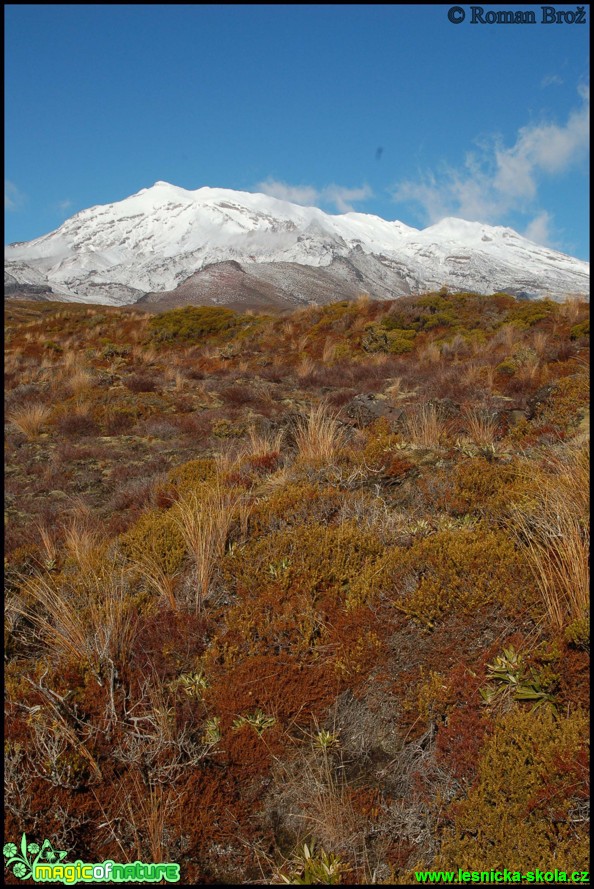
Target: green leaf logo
{"x": 23, "y": 862}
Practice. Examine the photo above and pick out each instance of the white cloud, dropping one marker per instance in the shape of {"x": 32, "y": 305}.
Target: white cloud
{"x": 496, "y": 180}
{"x": 538, "y": 230}
{"x": 342, "y": 198}
{"x": 551, "y": 79}
{"x": 64, "y": 206}
{"x": 296, "y": 194}
{"x": 13, "y": 198}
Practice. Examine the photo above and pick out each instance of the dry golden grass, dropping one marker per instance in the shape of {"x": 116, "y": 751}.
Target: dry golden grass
{"x": 147, "y": 810}
{"x": 487, "y": 376}
{"x": 329, "y": 350}
{"x": 49, "y": 547}
{"x": 150, "y": 567}
{"x": 539, "y": 342}
{"x": 554, "y": 527}
{"x": 287, "y": 329}
{"x": 176, "y": 376}
{"x": 571, "y": 309}
{"x": 83, "y": 544}
{"x": 87, "y": 619}
{"x": 529, "y": 370}
{"x": 30, "y": 419}
{"x": 430, "y": 354}
{"x": 471, "y": 375}
{"x": 424, "y": 427}
{"x": 145, "y": 354}
{"x": 313, "y": 789}
{"x": 507, "y": 336}
{"x": 319, "y": 436}
{"x": 304, "y": 368}
{"x": 137, "y": 334}
{"x": 279, "y": 360}
{"x": 70, "y": 358}
{"x": 456, "y": 348}
{"x": 80, "y": 381}
{"x": 379, "y": 359}
{"x": 262, "y": 444}
{"x": 481, "y": 425}
{"x": 205, "y": 519}
{"x": 11, "y": 360}
{"x": 395, "y": 390}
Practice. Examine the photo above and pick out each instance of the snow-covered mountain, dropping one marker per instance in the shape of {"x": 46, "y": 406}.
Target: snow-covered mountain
{"x": 167, "y": 245}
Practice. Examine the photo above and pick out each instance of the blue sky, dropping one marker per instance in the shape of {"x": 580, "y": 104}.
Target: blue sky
{"x": 381, "y": 109}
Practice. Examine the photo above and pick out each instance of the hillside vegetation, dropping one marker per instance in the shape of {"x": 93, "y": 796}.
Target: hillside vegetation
{"x": 300, "y": 598}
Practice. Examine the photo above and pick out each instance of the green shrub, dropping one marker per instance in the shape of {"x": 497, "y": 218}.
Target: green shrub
{"x": 466, "y": 570}
{"x": 395, "y": 341}
{"x": 486, "y": 489}
{"x": 567, "y": 403}
{"x": 580, "y": 330}
{"x": 532, "y": 780}
{"x": 577, "y": 633}
{"x": 112, "y": 350}
{"x": 296, "y": 503}
{"x": 291, "y": 586}
{"x": 226, "y": 429}
{"x": 156, "y": 532}
{"x": 508, "y": 367}
{"x": 458, "y": 570}
{"x": 192, "y": 324}
{"x": 193, "y": 473}
{"x": 51, "y": 346}
{"x": 317, "y": 559}
{"x": 525, "y": 314}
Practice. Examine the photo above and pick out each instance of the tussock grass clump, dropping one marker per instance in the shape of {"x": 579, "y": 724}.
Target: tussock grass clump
{"x": 319, "y": 436}
{"x": 554, "y": 525}
{"x": 481, "y": 425}
{"x": 317, "y": 797}
{"x": 87, "y": 618}
{"x": 204, "y": 519}
{"x": 80, "y": 381}
{"x": 30, "y": 419}
{"x": 424, "y": 426}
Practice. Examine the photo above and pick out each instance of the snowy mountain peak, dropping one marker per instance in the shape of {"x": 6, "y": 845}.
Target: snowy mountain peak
{"x": 161, "y": 236}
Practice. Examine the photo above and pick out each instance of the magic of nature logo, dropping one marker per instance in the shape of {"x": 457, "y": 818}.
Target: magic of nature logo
{"x": 44, "y": 864}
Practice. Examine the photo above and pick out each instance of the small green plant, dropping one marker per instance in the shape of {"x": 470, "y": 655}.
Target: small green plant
{"x": 393, "y": 340}
{"x": 326, "y": 740}
{"x": 212, "y": 731}
{"x": 315, "y": 867}
{"x": 51, "y": 346}
{"x": 275, "y": 570}
{"x": 193, "y": 684}
{"x": 512, "y": 679}
{"x": 577, "y": 633}
{"x": 257, "y": 720}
